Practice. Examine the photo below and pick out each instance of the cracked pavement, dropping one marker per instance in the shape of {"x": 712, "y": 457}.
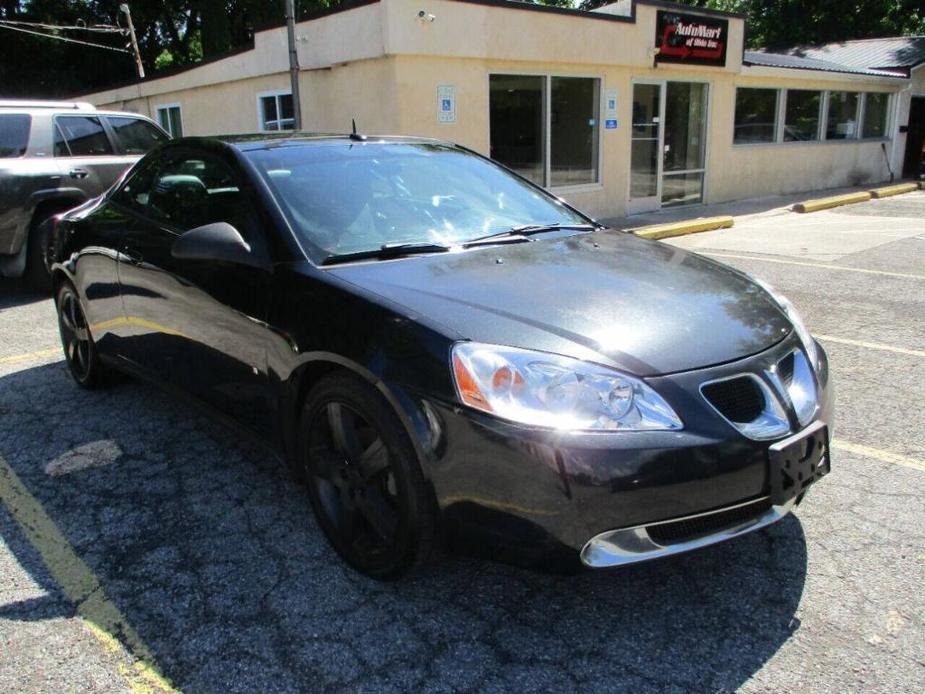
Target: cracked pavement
{"x": 210, "y": 551}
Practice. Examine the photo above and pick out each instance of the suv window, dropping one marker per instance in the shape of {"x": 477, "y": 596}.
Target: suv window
{"x": 134, "y": 135}
{"x": 14, "y": 134}
{"x": 80, "y": 136}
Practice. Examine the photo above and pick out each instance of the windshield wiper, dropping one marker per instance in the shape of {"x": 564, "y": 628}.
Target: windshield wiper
{"x": 386, "y": 250}
{"x": 525, "y": 230}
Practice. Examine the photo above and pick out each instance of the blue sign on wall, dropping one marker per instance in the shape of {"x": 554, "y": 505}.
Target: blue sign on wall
{"x": 610, "y": 124}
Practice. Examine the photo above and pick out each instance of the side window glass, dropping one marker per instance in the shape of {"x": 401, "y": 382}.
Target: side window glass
{"x": 80, "y": 136}
{"x": 134, "y": 135}
{"x": 61, "y": 148}
{"x": 14, "y": 134}
{"x": 193, "y": 191}
{"x": 136, "y": 191}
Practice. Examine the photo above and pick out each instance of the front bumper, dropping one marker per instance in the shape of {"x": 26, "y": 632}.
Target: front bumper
{"x": 643, "y": 542}
{"x": 525, "y": 495}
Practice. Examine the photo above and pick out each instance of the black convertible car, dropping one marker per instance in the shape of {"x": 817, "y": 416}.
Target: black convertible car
{"x": 440, "y": 349}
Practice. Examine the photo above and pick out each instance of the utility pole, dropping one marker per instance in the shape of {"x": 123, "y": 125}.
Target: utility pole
{"x": 131, "y": 31}
{"x": 293, "y": 64}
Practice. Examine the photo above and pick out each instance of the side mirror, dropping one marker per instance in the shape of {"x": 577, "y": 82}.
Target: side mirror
{"x": 218, "y": 241}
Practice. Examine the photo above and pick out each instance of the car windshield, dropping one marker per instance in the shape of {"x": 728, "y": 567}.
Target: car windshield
{"x": 351, "y": 197}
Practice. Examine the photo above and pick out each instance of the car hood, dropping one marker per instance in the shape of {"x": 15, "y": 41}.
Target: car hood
{"x": 607, "y": 296}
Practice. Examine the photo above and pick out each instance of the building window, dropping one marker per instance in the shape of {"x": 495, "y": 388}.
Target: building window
{"x": 170, "y": 119}
{"x": 756, "y": 116}
{"x": 573, "y": 130}
{"x": 842, "y": 121}
{"x": 275, "y": 111}
{"x": 547, "y": 129}
{"x": 801, "y": 123}
{"x": 875, "y": 114}
{"x": 516, "y": 108}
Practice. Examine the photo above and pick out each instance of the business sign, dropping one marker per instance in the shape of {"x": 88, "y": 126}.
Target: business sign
{"x": 446, "y": 103}
{"x": 691, "y": 39}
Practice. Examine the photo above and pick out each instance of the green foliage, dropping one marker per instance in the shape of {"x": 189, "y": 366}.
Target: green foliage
{"x": 171, "y": 33}
{"x": 780, "y": 23}
{"x": 174, "y": 33}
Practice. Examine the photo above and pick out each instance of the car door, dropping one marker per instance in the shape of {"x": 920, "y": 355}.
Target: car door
{"x": 199, "y": 325}
{"x": 85, "y": 153}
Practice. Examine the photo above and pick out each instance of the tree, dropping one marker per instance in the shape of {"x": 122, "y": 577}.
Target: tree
{"x": 783, "y": 23}
{"x": 171, "y": 33}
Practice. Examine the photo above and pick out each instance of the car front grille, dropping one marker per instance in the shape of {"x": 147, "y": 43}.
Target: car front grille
{"x": 739, "y": 399}
{"x": 675, "y": 532}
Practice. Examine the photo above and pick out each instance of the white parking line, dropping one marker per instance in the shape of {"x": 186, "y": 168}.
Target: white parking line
{"x": 870, "y": 345}
{"x": 826, "y": 266}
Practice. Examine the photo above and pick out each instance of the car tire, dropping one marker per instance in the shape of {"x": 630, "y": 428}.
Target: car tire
{"x": 364, "y": 480}
{"x": 37, "y": 275}
{"x": 80, "y": 351}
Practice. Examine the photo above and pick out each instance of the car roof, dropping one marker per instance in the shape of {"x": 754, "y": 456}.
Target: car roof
{"x": 7, "y": 108}
{"x": 36, "y": 104}
{"x": 258, "y": 141}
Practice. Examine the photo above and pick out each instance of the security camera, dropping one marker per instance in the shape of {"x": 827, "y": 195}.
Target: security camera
{"x": 425, "y": 16}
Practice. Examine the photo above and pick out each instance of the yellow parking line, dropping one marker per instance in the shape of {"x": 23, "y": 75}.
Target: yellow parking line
{"x": 878, "y": 454}
{"x": 31, "y": 356}
{"x": 81, "y": 586}
{"x": 870, "y": 345}
{"x": 826, "y": 266}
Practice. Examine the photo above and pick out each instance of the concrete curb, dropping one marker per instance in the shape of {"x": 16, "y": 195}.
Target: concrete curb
{"x": 829, "y": 203}
{"x": 688, "y": 226}
{"x": 899, "y": 189}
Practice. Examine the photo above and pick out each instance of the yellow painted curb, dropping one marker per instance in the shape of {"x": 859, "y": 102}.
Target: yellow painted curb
{"x": 828, "y": 203}
{"x": 898, "y": 189}
{"x": 689, "y": 226}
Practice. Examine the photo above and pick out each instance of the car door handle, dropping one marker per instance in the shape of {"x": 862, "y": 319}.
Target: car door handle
{"x": 134, "y": 257}
{"x": 78, "y": 173}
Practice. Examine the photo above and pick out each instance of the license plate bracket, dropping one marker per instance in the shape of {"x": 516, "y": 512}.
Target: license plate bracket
{"x": 796, "y": 463}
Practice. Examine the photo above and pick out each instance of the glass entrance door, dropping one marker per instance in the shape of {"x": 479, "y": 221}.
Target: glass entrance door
{"x": 645, "y": 159}
{"x": 684, "y": 143}
{"x": 668, "y": 145}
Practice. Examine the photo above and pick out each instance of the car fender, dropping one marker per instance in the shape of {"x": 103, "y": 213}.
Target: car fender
{"x": 422, "y": 428}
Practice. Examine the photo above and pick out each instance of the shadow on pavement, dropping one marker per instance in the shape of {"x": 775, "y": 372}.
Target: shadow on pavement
{"x": 17, "y": 293}
{"x": 212, "y": 554}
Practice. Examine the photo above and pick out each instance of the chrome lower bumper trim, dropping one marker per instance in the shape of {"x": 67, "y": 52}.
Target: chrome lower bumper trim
{"x": 632, "y": 545}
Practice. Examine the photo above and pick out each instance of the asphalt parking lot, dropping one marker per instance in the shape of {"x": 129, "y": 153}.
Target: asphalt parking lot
{"x": 145, "y": 548}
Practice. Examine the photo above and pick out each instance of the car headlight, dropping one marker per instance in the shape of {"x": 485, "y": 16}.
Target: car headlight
{"x": 549, "y": 390}
{"x": 799, "y": 327}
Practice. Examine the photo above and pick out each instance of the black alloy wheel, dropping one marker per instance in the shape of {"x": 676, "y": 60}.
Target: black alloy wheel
{"x": 364, "y": 481}
{"x": 79, "y": 350}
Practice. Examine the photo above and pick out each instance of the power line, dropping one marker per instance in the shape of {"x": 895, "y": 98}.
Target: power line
{"x": 101, "y": 28}
{"x": 4, "y": 25}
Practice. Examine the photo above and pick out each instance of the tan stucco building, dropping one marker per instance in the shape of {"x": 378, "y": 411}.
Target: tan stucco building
{"x": 638, "y": 105}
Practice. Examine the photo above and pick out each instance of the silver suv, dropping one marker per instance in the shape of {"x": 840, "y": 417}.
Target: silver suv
{"x": 54, "y": 156}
